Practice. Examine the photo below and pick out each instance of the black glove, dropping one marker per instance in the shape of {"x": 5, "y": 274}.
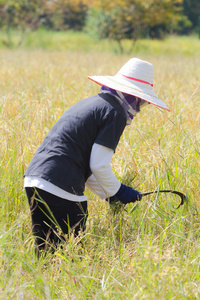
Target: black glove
{"x": 126, "y": 194}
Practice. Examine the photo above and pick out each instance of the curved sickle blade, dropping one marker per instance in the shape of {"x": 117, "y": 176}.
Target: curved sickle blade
{"x": 183, "y": 197}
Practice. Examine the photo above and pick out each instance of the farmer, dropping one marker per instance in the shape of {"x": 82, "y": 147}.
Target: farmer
{"x": 77, "y": 152}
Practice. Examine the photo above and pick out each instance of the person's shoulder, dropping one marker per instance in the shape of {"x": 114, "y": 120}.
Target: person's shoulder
{"x": 113, "y": 103}
{"x": 97, "y": 101}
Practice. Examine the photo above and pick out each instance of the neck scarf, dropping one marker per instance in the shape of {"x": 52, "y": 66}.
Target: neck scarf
{"x": 130, "y": 104}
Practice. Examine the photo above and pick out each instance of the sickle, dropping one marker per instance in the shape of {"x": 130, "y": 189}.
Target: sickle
{"x": 183, "y": 197}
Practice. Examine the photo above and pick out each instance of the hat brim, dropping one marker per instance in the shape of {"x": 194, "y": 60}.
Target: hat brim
{"x": 124, "y": 86}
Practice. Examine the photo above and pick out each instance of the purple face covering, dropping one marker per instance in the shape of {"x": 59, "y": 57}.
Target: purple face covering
{"x": 128, "y": 100}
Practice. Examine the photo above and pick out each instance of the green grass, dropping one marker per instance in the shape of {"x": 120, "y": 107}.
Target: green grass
{"x": 148, "y": 250}
{"x": 70, "y": 40}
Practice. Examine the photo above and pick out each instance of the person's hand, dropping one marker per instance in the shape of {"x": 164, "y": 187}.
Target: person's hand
{"x": 126, "y": 194}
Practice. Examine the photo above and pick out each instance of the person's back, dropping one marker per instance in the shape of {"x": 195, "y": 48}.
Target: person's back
{"x": 67, "y": 147}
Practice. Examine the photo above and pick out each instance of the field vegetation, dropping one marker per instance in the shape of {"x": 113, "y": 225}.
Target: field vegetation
{"x": 147, "y": 250}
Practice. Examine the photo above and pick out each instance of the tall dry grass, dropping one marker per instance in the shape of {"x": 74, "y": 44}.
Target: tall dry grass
{"x": 144, "y": 251}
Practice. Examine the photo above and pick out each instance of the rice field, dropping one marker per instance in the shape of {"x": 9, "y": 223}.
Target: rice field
{"x": 147, "y": 250}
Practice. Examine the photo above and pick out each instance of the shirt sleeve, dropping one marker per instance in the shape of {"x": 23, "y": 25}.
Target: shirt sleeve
{"x": 93, "y": 185}
{"x": 103, "y": 182}
{"x": 111, "y": 131}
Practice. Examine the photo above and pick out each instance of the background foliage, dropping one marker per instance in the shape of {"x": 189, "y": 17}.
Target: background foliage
{"x": 116, "y": 20}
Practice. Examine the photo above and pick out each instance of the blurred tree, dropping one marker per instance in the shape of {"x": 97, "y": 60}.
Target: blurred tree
{"x": 191, "y": 9}
{"x": 68, "y": 14}
{"x": 24, "y": 15}
{"x": 133, "y": 18}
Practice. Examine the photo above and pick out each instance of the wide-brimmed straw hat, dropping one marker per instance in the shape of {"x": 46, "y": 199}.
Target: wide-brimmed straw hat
{"x": 134, "y": 78}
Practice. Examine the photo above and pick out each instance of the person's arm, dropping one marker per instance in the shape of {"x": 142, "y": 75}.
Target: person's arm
{"x": 93, "y": 185}
{"x": 103, "y": 182}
